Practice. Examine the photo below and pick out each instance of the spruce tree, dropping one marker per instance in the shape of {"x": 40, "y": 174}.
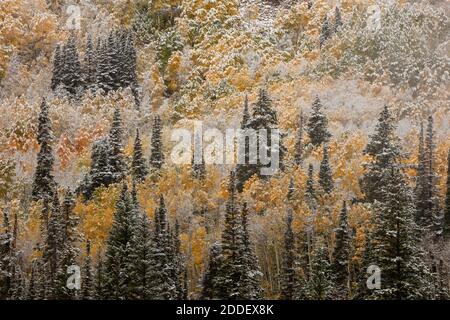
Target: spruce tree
{"x": 140, "y": 264}
{"x": 447, "y": 201}
{"x": 117, "y": 281}
{"x": 212, "y": 282}
{"x": 164, "y": 286}
{"x": 139, "y": 168}
{"x": 87, "y": 285}
{"x": 337, "y": 20}
{"x": 72, "y": 76}
{"x": 325, "y": 32}
{"x": 427, "y": 202}
{"x": 325, "y": 174}
{"x": 310, "y": 192}
{"x": 116, "y": 157}
{"x": 198, "y": 169}
{"x": 89, "y": 65}
{"x": 157, "y": 155}
{"x": 320, "y": 284}
{"x": 43, "y": 183}
{"x": 251, "y": 280}
{"x": 341, "y": 255}
{"x": 53, "y": 250}
{"x": 244, "y": 170}
{"x": 431, "y": 199}
{"x": 298, "y": 157}
{"x": 69, "y": 238}
{"x": 99, "y": 282}
{"x": 58, "y": 61}
{"x": 232, "y": 246}
{"x": 317, "y": 126}
{"x": 394, "y": 245}
{"x": 264, "y": 117}
{"x": 288, "y": 279}
{"x": 384, "y": 151}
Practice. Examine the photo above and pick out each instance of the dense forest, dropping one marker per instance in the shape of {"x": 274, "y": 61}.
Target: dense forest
{"x": 95, "y": 204}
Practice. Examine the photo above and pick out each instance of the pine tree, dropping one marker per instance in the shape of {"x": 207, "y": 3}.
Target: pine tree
{"x": 139, "y": 168}
{"x": 325, "y": 32}
{"x": 157, "y": 155}
{"x": 337, "y": 20}
{"x": 116, "y": 157}
{"x": 140, "y": 267}
{"x": 99, "y": 285}
{"x": 164, "y": 286}
{"x": 178, "y": 262}
{"x": 244, "y": 170}
{"x": 53, "y": 250}
{"x": 298, "y": 157}
{"x": 384, "y": 151}
{"x": 35, "y": 289}
{"x": 232, "y": 246}
{"x": 117, "y": 281}
{"x": 394, "y": 245}
{"x": 317, "y": 126}
{"x": 442, "y": 290}
{"x": 341, "y": 255}
{"x": 11, "y": 286}
{"x": 264, "y": 117}
{"x": 447, "y": 200}
{"x": 325, "y": 174}
{"x": 310, "y": 192}
{"x": 103, "y": 72}
{"x": 320, "y": 285}
{"x": 212, "y": 283}
{"x": 72, "y": 76}
{"x": 89, "y": 64}
{"x": 198, "y": 169}
{"x": 427, "y": 202}
{"x": 87, "y": 278}
{"x": 58, "y": 62}
{"x": 251, "y": 280}
{"x": 431, "y": 198}
{"x": 69, "y": 238}
{"x": 44, "y": 184}
{"x": 287, "y": 281}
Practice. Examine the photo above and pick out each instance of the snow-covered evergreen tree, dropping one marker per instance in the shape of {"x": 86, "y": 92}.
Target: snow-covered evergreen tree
{"x": 298, "y": 157}
{"x": 116, "y": 280}
{"x": 384, "y": 151}
{"x": 320, "y": 284}
{"x": 394, "y": 244}
{"x": 251, "y": 280}
{"x": 325, "y": 173}
{"x": 317, "y": 126}
{"x": 87, "y": 285}
{"x": 337, "y": 20}
{"x": 58, "y": 61}
{"x": 341, "y": 255}
{"x": 212, "y": 282}
{"x": 89, "y": 65}
{"x": 157, "y": 155}
{"x": 310, "y": 191}
{"x": 447, "y": 201}
{"x": 288, "y": 278}
{"x": 71, "y": 74}
{"x": 116, "y": 156}
{"x": 43, "y": 183}
{"x": 325, "y": 32}
{"x": 139, "y": 168}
